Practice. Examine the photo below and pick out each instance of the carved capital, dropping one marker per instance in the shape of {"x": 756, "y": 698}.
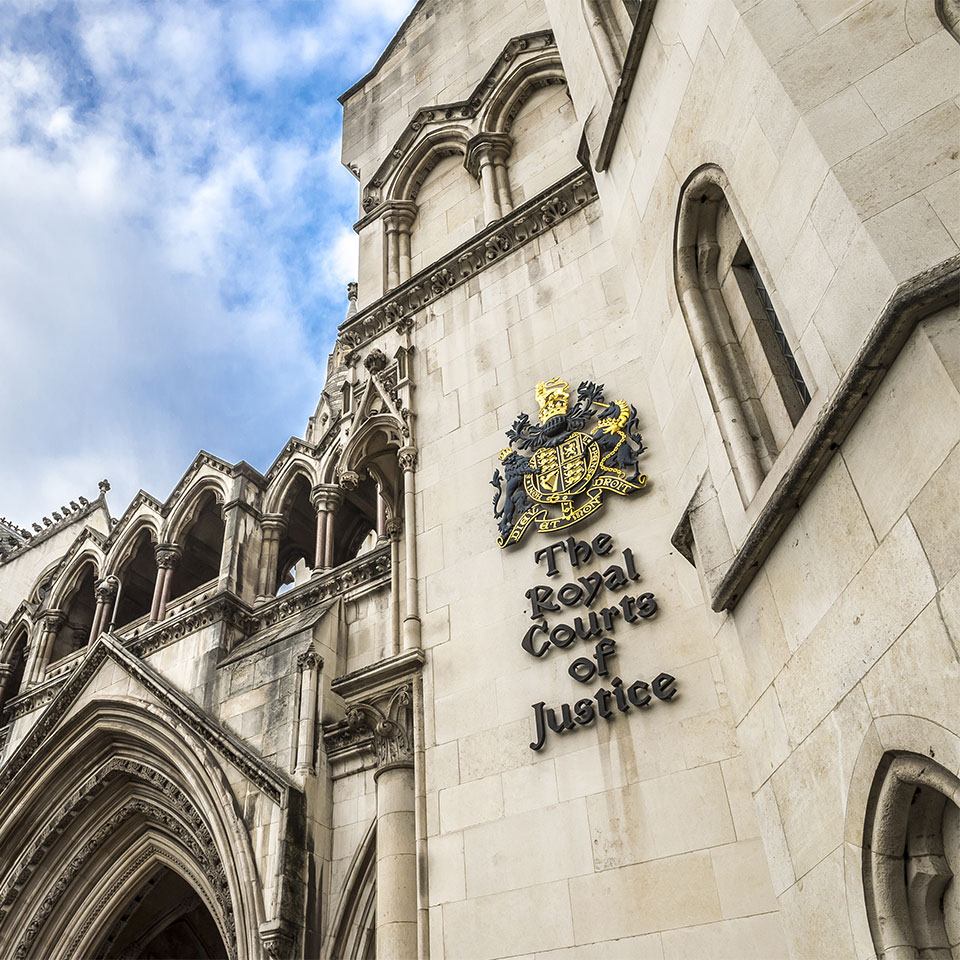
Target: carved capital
{"x": 277, "y": 940}
{"x": 106, "y": 590}
{"x": 325, "y": 496}
{"x": 309, "y": 660}
{"x": 273, "y": 523}
{"x": 53, "y": 619}
{"x": 392, "y": 727}
{"x": 168, "y": 555}
{"x": 394, "y": 528}
{"x": 487, "y": 148}
{"x": 407, "y": 458}
{"x": 349, "y": 479}
{"x": 399, "y": 215}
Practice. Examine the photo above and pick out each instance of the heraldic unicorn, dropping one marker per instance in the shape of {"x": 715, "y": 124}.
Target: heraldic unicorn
{"x": 577, "y": 455}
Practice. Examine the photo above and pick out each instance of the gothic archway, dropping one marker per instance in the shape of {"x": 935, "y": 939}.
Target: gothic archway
{"x": 115, "y": 796}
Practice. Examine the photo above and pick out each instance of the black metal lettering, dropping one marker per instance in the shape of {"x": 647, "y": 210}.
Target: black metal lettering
{"x": 592, "y": 584}
{"x": 539, "y": 598}
{"x": 527, "y": 641}
{"x": 547, "y": 552}
{"x": 661, "y": 684}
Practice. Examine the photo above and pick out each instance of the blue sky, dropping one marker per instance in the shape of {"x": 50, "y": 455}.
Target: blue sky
{"x": 175, "y": 233}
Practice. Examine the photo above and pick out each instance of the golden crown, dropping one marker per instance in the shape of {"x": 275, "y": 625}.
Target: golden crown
{"x": 552, "y": 398}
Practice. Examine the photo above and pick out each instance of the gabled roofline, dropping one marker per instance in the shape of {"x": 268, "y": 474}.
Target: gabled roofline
{"x": 271, "y": 781}
{"x": 362, "y": 82}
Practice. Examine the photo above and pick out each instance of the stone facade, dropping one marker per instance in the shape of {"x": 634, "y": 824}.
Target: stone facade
{"x": 321, "y": 712}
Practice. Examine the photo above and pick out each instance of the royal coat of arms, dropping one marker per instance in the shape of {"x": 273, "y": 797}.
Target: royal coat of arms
{"x": 577, "y": 455}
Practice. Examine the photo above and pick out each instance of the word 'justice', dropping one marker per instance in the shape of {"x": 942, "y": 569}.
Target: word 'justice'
{"x": 583, "y": 592}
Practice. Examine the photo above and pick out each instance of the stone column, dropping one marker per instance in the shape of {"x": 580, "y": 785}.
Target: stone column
{"x": 396, "y": 833}
{"x": 381, "y": 515}
{"x": 325, "y": 498}
{"x": 6, "y": 669}
{"x": 105, "y": 592}
{"x": 272, "y": 526}
{"x": 398, "y": 220}
{"x": 486, "y": 159}
{"x": 168, "y": 556}
{"x": 394, "y": 529}
{"x": 50, "y": 623}
{"x": 411, "y": 622}
{"x": 309, "y": 664}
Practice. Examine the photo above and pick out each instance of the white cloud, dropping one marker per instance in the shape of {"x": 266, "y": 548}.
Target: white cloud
{"x": 173, "y": 256}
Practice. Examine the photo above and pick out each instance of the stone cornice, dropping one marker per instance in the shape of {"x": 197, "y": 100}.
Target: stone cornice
{"x": 500, "y": 239}
{"x": 347, "y": 579}
{"x": 374, "y": 680}
{"x": 914, "y": 299}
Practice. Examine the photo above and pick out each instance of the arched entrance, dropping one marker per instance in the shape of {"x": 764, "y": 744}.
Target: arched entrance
{"x": 120, "y": 838}
{"x": 165, "y": 919}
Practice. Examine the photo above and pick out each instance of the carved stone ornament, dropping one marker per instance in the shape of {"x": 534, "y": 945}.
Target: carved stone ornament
{"x": 392, "y": 743}
{"x": 106, "y": 590}
{"x": 375, "y": 360}
{"x": 309, "y": 660}
{"x": 349, "y": 479}
{"x": 407, "y": 458}
{"x": 394, "y": 528}
{"x": 168, "y": 556}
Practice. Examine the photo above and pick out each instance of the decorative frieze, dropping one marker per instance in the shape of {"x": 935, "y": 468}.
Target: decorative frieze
{"x": 536, "y": 216}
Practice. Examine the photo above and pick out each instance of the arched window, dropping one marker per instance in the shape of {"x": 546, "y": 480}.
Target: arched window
{"x": 356, "y": 520}
{"x": 911, "y": 851}
{"x": 11, "y": 672}
{"x": 202, "y": 547}
{"x": 297, "y": 548}
{"x": 138, "y": 577}
{"x": 747, "y": 355}
{"x": 79, "y": 608}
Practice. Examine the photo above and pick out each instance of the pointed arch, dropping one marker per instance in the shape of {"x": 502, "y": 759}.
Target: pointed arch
{"x": 355, "y": 920}
{"x": 279, "y": 490}
{"x": 185, "y": 511}
{"x": 120, "y": 785}
{"x": 448, "y": 141}
{"x": 517, "y": 86}
{"x": 65, "y": 582}
{"x": 125, "y": 546}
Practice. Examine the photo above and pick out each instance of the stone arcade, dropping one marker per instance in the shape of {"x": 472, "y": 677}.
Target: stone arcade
{"x": 288, "y": 714}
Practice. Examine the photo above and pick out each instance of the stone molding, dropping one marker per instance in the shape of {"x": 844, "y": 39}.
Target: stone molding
{"x": 628, "y": 73}
{"x": 914, "y": 299}
{"x": 538, "y": 215}
{"x": 198, "y": 840}
{"x": 271, "y": 782}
